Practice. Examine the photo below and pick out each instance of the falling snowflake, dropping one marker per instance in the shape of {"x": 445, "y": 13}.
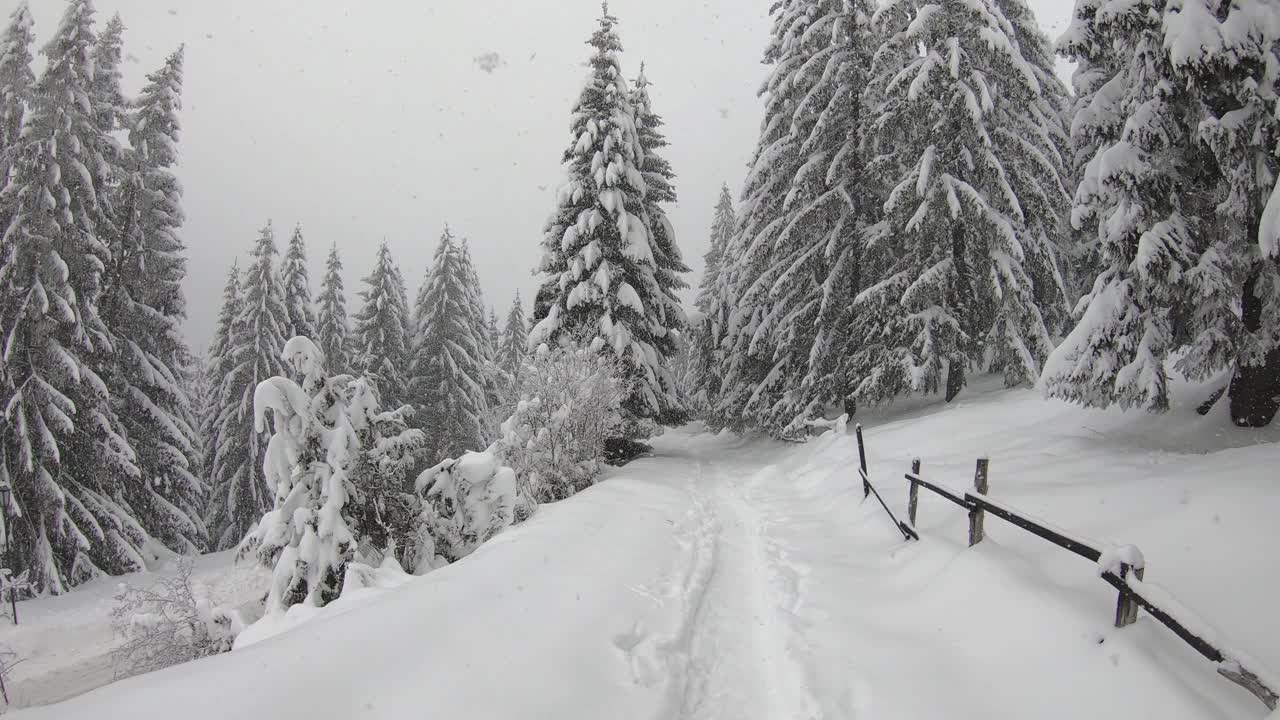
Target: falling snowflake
{"x": 490, "y": 62}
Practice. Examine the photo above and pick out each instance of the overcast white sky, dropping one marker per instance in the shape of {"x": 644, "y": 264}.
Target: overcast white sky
{"x": 377, "y": 121}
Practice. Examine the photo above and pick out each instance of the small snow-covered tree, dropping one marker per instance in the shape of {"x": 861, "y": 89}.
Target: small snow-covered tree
{"x": 333, "y": 329}
{"x": 297, "y": 288}
{"x": 466, "y": 502}
{"x": 239, "y": 494}
{"x": 570, "y": 405}
{"x": 447, "y": 382}
{"x": 16, "y": 80}
{"x": 513, "y": 348}
{"x": 381, "y": 330}
{"x": 598, "y": 260}
{"x": 322, "y": 427}
{"x": 704, "y": 347}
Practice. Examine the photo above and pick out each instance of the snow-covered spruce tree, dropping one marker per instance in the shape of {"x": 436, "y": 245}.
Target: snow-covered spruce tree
{"x": 297, "y": 288}
{"x": 333, "y": 330}
{"x": 491, "y": 377}
{"x": 143, "y": 307}
{"x": 597, "y": 257}
{"x": 1228, "y": 52}
{"x": 239, "y": 494}
{"x": 1036, "y": 149}
{"x": 16, "y": 80}
{"x": 1171, "y": 271}
{"x": 328, "y": 433}
{"x": 745, "y": 359}
{"x": 65, "y": 450}
{"x": 825, "y": 216}
{"x": 513, "y": 348}
{"x": 219, "y": 364}
{"x": 669, "y": 266}
{"x": 384, "y": 512}
{"x": 446, "y": 377}
{"x": 953, "y": 286}
{"x": 1094, "y": 123}
{"x": 381, "y": 331}
{"x": 705, "y": 358}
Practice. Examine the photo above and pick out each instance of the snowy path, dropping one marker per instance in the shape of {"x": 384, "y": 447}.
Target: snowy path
{"x": 740, "y": 665}
{"x": 726, "y": 578}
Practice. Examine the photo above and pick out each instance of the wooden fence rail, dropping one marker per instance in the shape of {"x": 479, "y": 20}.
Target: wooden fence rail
{"x": 1122, "y": 568}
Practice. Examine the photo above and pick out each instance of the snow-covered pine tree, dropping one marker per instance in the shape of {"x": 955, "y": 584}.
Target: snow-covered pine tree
{"x": 143, "y": 307}
{"x": 447, "y": 383}
{"x": 1036, "y": 149}
{"x": 704, "y": 342}
{"x": 597, "y": 255}
{"x": 825, "y": 216}
{"x": 332, "y": 461}
{"x": 513, "y": 349}
{"x": 952, "y": 284}
{"x": 381, "y": 330}
{"x": 1094, "y": 123}
{"x": 65, "y": 451}
{"x": 239, "y": 495}
{"x": 799, "y": 48}
{"x": 333, "y": 330}
{"x": 1227, "y": 50}
{"x": 297, "y": 288}
{"x": 1142, "y": 193}
{"x": 219, "y": 364}
{"x": 491, "y": 377}
{"x": 723, "y": 225}
{"x": 16, "y": 80}
{"x": 669, "y": 266}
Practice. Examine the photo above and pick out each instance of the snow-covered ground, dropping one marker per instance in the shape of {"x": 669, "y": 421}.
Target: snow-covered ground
{"x": 729, "y": 578}
{"x": 65, "y": 642}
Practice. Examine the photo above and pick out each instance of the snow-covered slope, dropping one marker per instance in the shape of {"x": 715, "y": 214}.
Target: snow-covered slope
{"x": 742, "y": 579}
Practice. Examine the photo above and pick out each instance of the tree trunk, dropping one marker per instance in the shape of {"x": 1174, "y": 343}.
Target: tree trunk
{"x": 955, "y": 378}
{"x": 1255, "y": 389}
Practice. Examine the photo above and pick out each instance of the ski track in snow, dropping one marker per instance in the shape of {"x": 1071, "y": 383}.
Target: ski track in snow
{"x": 739, "y": 639}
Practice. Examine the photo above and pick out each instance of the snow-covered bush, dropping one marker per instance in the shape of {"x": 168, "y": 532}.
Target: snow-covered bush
{"x": 328, "y": 435}
{"x": 466, "y": 502}
{"x": 569, "y": 407}
{"x": 171, "y": 622}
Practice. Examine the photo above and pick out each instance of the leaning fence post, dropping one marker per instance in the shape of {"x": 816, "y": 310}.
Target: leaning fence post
{"x": 975, "y": 514}
{"x": 1126, "y": 608}
{"x": 913, "y": 498}
{"x": 862, "y": 461}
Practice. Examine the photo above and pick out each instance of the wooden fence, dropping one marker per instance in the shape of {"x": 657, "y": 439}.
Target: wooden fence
{"x": 1123, "y": 568}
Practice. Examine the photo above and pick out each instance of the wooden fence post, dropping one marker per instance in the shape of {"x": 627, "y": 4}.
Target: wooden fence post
{"x": 976, "y": 515}
{"x": 1126, "y": 608}
{"x": 862, "y": 461}
{"x": 913, "y": 498}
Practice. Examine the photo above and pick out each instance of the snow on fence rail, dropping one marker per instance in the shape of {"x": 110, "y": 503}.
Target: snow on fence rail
{"x": 1122, "y": 567}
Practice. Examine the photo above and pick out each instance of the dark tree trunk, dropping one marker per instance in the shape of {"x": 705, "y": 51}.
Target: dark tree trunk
{"x": 1255, "y": 389}
{"x": 955, "y": 378}
{"x": 962, "y": 301}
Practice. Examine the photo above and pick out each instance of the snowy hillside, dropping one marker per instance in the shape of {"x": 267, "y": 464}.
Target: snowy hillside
{"x": 729, "y": 578}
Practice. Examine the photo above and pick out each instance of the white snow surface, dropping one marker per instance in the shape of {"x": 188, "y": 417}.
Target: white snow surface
{"x": 730, "y": 578}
